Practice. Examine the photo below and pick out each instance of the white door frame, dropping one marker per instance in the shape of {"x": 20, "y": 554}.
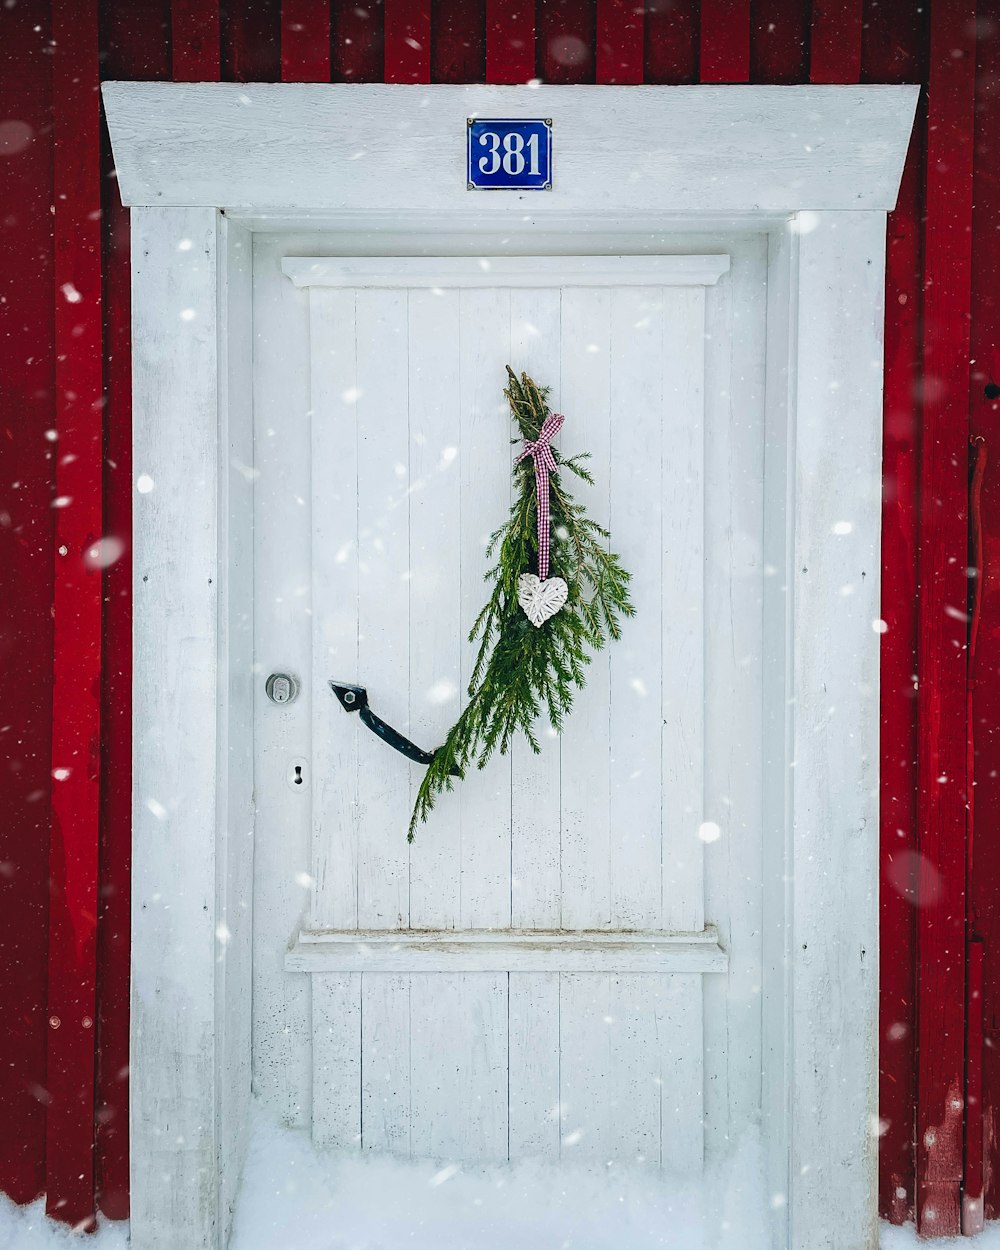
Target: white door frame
{"x": 203, "y": 165}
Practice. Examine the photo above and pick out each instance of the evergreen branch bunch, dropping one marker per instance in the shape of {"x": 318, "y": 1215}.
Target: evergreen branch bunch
{"x": 521, "y": 667}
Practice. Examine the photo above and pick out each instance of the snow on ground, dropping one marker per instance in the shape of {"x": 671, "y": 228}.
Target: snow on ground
{"x": 295, "y": 1198}
{"x": 906, "y": 1239}
{"x": 28, "y": 1228}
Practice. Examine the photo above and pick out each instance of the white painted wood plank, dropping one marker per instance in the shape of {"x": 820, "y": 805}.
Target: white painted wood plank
{"x": 489, "y": 951}
{"x": 336, "y": 1033}
{"x": 505, "y": 271}
{"x": 683, "y": 692}
{"x": 235, "y": 817}
{"x": 637, "y": 414}
{"x": 677, "y": 1004}
{"x": 282, "y": 628}
{"x": 437, "y": 627}
{"x": 736, "y": 335}
{"x": 383, "y": 793}
{"x": 708, "y": 148}
{"x": 631, "y": 1069}
{"x": 586, "y": 743}
{"x": 535, "y": 817}
{"x": 634, "y": 1086}
{"x": 485, "y": 458}
{"x": 385, "y": 1063}
{"x": 173, "y": 1055}
{"x": 533, "y": 1014}
{"x": 778, "y": 937}
{"x": 458, "y": 1066}
{"x": 335, "y": 590}
{"x": 833, "y": 742}
{"x": 585, "y": 1067}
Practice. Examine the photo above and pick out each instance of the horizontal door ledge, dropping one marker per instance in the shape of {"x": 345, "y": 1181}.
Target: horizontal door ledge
{"x": 499, "y": 950}
{"x": 451, "y": 272}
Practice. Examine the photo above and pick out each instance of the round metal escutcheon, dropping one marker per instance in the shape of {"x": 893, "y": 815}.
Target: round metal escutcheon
{"x": 281, "y": 688}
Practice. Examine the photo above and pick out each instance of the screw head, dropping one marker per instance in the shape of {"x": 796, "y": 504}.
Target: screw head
{"x": 348, "y": 696}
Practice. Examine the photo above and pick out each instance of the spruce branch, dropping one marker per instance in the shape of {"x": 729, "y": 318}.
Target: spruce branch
{"x": 521, "y": 668}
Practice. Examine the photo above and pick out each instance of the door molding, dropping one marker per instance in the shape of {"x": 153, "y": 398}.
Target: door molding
{"x": 816, "y": 169}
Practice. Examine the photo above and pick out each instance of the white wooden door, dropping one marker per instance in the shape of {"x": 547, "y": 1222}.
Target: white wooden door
{"x": 533, "y": 975}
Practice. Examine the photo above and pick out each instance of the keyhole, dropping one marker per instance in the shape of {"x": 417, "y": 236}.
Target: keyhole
{"x": 297, "y": 775}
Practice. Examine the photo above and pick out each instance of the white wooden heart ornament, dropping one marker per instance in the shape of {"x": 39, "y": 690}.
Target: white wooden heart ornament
{"x": 540, "y": 600}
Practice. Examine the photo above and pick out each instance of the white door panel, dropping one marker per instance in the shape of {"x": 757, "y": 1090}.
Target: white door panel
{"x": 406, "y": 449}
{"x": 411, "y": 473}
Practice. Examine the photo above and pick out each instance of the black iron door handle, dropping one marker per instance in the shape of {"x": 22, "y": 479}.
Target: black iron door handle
{"x": 355, "y": 699}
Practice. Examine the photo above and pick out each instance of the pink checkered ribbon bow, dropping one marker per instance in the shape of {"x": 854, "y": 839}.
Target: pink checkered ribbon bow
{"x": 540, "y": 451}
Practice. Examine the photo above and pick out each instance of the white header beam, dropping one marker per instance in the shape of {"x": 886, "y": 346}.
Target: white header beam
{"x": 310, "y": 146}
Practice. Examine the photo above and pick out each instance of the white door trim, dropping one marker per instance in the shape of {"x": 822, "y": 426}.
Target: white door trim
{"x": 827, "y": 161}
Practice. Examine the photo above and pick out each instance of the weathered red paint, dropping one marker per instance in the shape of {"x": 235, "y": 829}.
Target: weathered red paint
{"x": 251, "y": 41}
{"x": 458, "y": 41}
{"x": 76, "y": 693}
{"x": 725, "y": 41}
{"x": 565, "y": 36}
{"x": 357, "y": 42}
{"x": 894, "y": 50}
{"x": 407, "y": 41}
{"x": 672, "y": 41}
{"x": 779, "y": 41}
{"x": 510, "y": 41}
{"x": 619, "y": 41}
{"x": 27, "y": 412}
{"x": 943, "y": 561}
{"x": 972, "y": 1187}
{"x": 305, "y": 41}
{"x": 671, "y": 53}
{"x": 984, "y": 417}
{"x": 195, "y": 40}
{"x": 835, "y": 42}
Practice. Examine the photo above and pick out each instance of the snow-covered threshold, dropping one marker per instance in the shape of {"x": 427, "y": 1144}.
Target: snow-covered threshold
{"x": 293, "y": 1197}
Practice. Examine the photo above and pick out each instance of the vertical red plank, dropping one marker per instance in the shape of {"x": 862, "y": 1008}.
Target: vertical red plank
{"x": 114, "y": 913}
{"x": 458, "y": 46}
{"x": 565, "y": 34}
{"x": 620, "y": 38}
{"x": 943, "y": 560}
{"x": 725, "y": 41}
{"x": 972, "y": 1190}
{"x": 984, "y": 885}
{"x": 305, "y": 40}
{"x": 76, "y": 720}
{"x": 26, "y": 553}
{"x": 510, "y": 41}
{"x": 778, "y": 41}
{"x": 407, "y": 41}
{"x": 251, "y": 41}
{"x": 671, "y": 54}
{"x": 195, "y": 37}
{"x": 972, "y": 1172}
{"x": 894, "y": 50}
{"x": 357, "y": 41}
{"x": 835, "y": 43}
{"x": 135, "y": 44}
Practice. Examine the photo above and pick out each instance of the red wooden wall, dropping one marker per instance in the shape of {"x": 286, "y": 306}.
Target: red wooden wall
{"x": 65, "y": 494}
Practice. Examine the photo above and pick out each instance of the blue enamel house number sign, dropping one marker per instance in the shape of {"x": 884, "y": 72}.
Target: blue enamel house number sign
{"x": 510, "y": 154}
